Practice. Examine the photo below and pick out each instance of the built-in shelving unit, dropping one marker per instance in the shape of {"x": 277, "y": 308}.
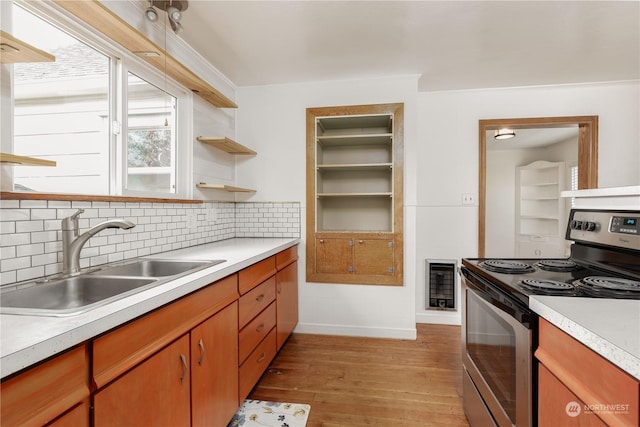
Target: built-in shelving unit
{"x": 13, "y": 50}
{"x": 540, "y": 211}
{"x": 354, "y": 194}
{"x": 12, "y": 159}
{"x": 226, "y": 144}
{"x": 223, "y": 187}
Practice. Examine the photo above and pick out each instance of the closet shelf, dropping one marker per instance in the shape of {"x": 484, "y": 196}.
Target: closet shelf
{"x": 223, "y": 187}
{"x": 226, "y": 144}
{"x": 12, "y": 159}
{"x": 14, "y": 50}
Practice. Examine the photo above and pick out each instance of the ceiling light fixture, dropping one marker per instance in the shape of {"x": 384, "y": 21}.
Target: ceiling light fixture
{"x": 174, "y": 9}
{"x": 504, "y": 133}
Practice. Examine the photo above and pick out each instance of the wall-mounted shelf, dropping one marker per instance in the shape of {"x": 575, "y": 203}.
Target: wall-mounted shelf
{"x": 226, "y": 144}
{"x": 104, "y": 20}
{"x": 14, "y": 50}
{"x": 223, "y": 187}
{"x": 12, "y": 159}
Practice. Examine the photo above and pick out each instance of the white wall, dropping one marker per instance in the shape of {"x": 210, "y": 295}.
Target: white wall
{"x": 271, "y": 120}
{"x": 448, "y": 156}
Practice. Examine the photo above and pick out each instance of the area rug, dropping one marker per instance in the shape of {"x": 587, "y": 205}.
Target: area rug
{"x": 270, "y": 414}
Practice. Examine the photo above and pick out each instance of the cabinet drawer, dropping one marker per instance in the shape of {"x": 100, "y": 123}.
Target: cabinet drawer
{"x": 286, "y": 257}
{"x": 120, "y": 350}
{"x": 255, "y": 274}
{"x": 592, "y": 378}
{"x": 256, "y": 330}
{"x": 256, "y": 364}
{"x": 29, "y": 399}
{"x": 255, "y": 301}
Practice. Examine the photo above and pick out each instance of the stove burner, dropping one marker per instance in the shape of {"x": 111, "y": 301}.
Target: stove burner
{"x": 610, "y": 287}
{"x": 548, "y": 287}
{"x": 507, "y": 266}
{"x": 559, "y": 265}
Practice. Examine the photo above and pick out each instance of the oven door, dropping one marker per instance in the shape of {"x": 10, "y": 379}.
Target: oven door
{"x": 496, "y": 355}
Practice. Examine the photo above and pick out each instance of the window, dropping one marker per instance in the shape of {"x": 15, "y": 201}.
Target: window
{"x": 110, "y": 121}
{"x": 573, "y": 171}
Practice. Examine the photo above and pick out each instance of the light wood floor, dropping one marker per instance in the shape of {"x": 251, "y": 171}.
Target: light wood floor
{"x": 352, "y": 382}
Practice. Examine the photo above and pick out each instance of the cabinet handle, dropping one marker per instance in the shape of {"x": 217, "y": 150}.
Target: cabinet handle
{"x": 321, "y": 241}
{"x": 260, "y": 297}
{"x": 260, "y": 328}
{"x": 279, "y": 287}
{"x": 185, "y": 367}
{"x": 201, "y": 345}
{"x": 262, "y": 357}
{"x": 361, "y": 241}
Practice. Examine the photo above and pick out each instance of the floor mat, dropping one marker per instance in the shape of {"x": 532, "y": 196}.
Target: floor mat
{"x": 270, "y": 414}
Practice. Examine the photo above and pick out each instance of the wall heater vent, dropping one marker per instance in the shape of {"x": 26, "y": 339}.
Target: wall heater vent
{"x": 440, "y": 285}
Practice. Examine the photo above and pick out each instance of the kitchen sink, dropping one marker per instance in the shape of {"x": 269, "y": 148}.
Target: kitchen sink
{"x": 71, "y": 295}
{"x": 155, "y": 268}
{"x": 77, "y": 294}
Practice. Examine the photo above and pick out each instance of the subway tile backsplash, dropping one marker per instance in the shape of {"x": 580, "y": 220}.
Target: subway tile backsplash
{"x": 31, "y": 239}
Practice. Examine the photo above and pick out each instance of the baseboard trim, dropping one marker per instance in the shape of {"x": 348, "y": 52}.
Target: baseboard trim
{"x": 439, "y": 318}
{"x": 356, "y": 331}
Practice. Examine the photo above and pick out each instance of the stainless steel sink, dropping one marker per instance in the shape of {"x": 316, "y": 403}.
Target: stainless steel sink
{"x": 77, "y": 294}
{"x": 143, "y": 267}
{"x": 69, "y": 296}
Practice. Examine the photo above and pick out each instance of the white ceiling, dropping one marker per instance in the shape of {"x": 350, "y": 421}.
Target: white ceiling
{"x": 451, "y": 44}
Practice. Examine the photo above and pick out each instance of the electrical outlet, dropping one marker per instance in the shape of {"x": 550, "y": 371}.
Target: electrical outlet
{"x": 192, "y": 221}
{"x": 211, "y": 216}
{"x": 468, "y": 199}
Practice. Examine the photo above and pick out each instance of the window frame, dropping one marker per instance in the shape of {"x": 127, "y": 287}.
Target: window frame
{"x": 122, "y": 62}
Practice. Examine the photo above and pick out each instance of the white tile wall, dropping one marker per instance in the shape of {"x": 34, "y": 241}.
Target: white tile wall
{"x": 31, "y": 240}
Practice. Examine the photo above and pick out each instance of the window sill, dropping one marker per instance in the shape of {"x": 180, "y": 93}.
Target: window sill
{"x": 14, "y": 195}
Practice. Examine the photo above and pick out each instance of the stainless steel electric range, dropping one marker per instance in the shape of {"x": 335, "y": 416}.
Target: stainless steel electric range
{"x": 499, "y": 331}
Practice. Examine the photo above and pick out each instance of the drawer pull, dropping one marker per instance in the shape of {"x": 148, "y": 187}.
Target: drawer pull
{"x": 201, "y": 345}
{"x": 262, "y": 357}
{"x": 260, "y": 328}
{"x": 260, "y": 297}
{"x": 185, "y": 367}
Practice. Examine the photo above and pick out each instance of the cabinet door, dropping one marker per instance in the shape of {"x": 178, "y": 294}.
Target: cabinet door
{"x": 373, "y": 257}
{"x": 287, "y": 302}
{"x": 76, "y": 417}
{"x": 214, "y": 369}
{"x": 334, "y": 256}
{"x": 156, "y": 392}
{"x": 557, "y": 405}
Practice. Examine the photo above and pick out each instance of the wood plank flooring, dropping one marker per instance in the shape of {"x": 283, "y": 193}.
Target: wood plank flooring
{"x": 351, "y": 382}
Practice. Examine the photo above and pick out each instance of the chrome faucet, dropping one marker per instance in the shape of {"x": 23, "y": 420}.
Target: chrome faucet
{"x": 72, "y": 243}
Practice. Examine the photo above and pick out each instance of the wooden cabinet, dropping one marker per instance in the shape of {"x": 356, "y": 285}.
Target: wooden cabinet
{"x": 256, "y": 322}
{"x": 286, "y": 294}
{"x": 174, "y": 366}
{"x": 354, "y": 194}
{"x": 577, "y": 386}
{"x": 156, "y": 392}
{"x": 540, "y": 211}
{"x": 214, "y": 362}
{"x": 190, "y": 362}
{"x": 42, "y": 393}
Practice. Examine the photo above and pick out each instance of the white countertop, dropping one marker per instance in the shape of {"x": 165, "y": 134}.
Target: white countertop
{"x": 25, "y": 340}
{"x": 610, "y": 327}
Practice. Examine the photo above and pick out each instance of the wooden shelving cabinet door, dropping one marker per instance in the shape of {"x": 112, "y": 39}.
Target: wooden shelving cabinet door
{"x": 214, "y": 369}
{"x": 156, "y": 392}
{"x": 374, "y": 257}
{"x": 333, "y": 256}
{"x": 287, "y": 302}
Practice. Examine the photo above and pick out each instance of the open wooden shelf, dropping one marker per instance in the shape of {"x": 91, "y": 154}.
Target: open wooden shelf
{"x": 223, "y": 187}
{"x": 12, "y": 159}
{"x": 105, "y": 21}
{"x": 226, "y": 144}
{"x": 14, "y": 50}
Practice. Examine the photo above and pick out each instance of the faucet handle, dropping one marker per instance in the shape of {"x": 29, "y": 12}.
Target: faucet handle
{"x": 71, "y": 223}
